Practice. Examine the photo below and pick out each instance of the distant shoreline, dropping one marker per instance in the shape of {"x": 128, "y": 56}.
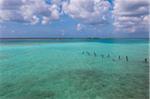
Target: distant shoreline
{"x": 71, "y": 38}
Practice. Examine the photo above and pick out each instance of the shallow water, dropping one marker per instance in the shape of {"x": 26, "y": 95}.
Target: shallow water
{"x": 74, "y": 69}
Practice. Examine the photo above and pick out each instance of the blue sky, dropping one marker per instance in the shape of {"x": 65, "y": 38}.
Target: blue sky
{"x": 74, "y": 18}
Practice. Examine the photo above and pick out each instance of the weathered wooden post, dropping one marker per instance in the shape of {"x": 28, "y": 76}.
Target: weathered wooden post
{"x": 146, "y": 60}
{"x": 82, "y": 52}
{"x": 95, "y": 54}
{"x": 108, "y": 55}
{"x": 88, "y": 53}
{"x": 127, "y": 58}
{"x": 119, "y": 57}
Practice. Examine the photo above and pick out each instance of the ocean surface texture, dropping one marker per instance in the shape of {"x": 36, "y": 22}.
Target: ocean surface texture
{"x": 74, "y": 69}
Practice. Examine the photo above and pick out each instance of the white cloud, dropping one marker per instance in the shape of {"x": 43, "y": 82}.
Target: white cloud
{"x": 54, "y": 9}
{"x": 38, "y": 11}
{"x": 130, "y": 15}
{"x": 34, "y": 20}
{"x": 8, "y": 10}
{"x": 33, "y": 11}
{"x": 88, "y": 11}
{"x": 79, "y": 27}
{"x": 45, "y": 20}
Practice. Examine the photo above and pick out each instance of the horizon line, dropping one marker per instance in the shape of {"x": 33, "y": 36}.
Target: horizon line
{"x": 73, "y": 38}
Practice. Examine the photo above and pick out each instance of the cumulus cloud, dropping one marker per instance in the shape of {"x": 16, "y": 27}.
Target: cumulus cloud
{"x": 44, "y": 11}
{"x": 8, "y": 10}
{"x": 33, "y": 11}
{"x": 131, "y": 15}
{"x": 79, "y": 27}
{"x": 88, "y": 11}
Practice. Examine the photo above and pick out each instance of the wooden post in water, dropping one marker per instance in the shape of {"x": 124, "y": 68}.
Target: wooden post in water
{"x": 127, "y": 58}
{"x": 146, "y": 61}
{"x": 108, "y": 55}
{"x": 95, "y": 54}
{"x": 88, "y": 53}
{"x": 119, "y": 57}
{"x": 82, "y": 52}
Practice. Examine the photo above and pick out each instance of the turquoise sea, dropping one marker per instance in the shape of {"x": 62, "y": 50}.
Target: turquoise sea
{"x": 74, "y": 69}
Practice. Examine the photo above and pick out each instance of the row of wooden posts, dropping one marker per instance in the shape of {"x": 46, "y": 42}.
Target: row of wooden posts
{"x": 108, "y": 56}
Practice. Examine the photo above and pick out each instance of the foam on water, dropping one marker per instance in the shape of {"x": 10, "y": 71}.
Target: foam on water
{"x": 74, "y": 70}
